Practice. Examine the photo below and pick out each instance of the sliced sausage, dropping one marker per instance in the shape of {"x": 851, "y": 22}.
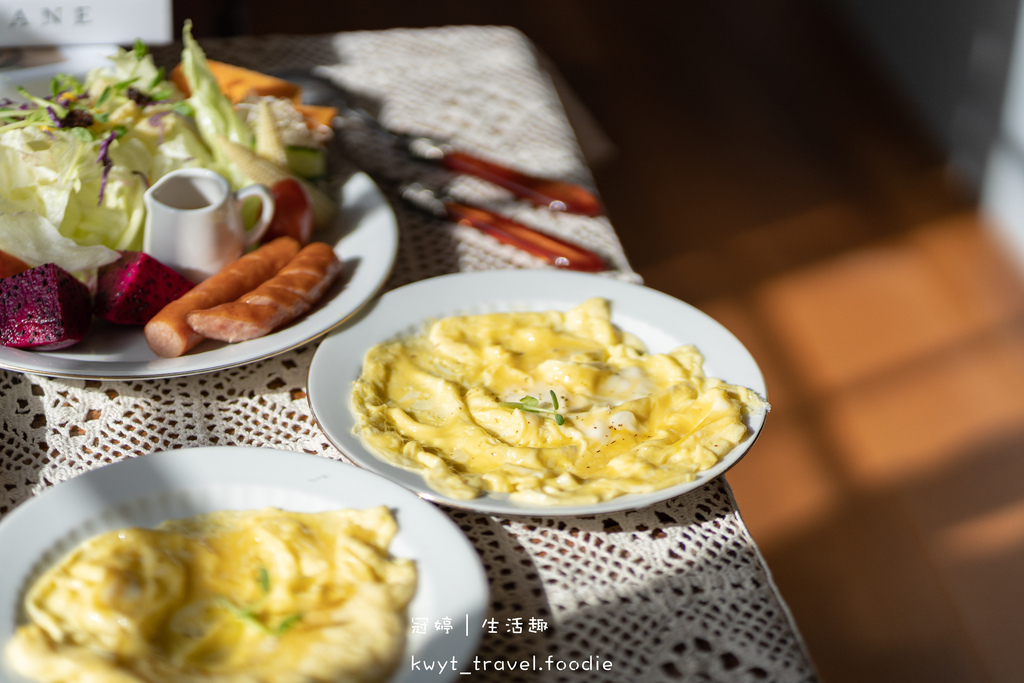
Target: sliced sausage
{"x": 279, "y": 300}
{"x": 169, "y": 334}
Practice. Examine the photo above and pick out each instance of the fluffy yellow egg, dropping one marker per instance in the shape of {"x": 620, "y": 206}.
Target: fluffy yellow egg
{"x": 442, "y": 403}
{"x": 242, "y": 596}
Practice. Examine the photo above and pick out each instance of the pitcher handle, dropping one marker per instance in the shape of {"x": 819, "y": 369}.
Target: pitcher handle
{"x": 266, "y": 211}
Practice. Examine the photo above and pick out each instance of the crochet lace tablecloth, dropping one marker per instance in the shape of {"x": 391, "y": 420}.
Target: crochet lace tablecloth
{"x": 677, "y": 591}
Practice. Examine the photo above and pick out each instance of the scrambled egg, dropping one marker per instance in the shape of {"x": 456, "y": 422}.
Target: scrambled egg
{"x": 626, "y": 421}
{"x": 227, "y": 597}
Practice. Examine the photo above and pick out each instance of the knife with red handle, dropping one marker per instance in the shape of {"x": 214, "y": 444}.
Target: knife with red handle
{"x": 553, "y": 250}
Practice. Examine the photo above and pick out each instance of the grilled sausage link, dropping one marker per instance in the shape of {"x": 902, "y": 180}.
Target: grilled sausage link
{"x": 169, "y": 334}
{"x": 279, "y": 300}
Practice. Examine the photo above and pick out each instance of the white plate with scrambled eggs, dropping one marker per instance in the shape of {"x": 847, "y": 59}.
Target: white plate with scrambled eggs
{"x": 240, "y": 563}
{"x": 538, "y": 392}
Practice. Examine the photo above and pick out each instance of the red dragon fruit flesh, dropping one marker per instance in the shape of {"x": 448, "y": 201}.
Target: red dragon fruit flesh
{"x": 44, "y": 308}
{"x": 134, "y": 288}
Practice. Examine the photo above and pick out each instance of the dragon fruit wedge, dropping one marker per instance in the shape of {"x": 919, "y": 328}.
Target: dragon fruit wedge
{"x": 43, "y": 308}
{"x": 134, "y": 288}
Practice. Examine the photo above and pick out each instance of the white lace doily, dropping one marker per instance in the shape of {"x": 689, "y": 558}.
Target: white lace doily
{"x": 673, "y": 592}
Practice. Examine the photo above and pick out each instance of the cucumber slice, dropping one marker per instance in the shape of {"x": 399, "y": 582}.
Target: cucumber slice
{"x": 306, "y": 162}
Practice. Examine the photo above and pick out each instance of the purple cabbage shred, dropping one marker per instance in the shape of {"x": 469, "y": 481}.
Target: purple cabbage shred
{"x": 104, "y": 158}
{"x": 157, "y": 121}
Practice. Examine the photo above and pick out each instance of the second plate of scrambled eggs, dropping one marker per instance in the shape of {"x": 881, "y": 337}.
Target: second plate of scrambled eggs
{"x": 231, "y": 563}
{"x": 538, "y": 392}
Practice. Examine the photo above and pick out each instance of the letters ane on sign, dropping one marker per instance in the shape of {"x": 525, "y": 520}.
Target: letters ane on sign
{"x": 58, "y": 15}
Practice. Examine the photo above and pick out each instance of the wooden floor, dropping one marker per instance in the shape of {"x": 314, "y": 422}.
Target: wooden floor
{"x": 766, "y": 173}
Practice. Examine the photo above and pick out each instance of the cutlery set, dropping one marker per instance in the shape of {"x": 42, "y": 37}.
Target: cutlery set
{"x": 552, "y": 194}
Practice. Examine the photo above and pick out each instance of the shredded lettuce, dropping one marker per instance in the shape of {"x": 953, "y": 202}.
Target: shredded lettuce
{"x": 81, "y": 160}
{"x": 74, "y": 165}
{"x": 56, "y": 177}
{"x": 215, "y": 116}
{"x": 35, "y": 240}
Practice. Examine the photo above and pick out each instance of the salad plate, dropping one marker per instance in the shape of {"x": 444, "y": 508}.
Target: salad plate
{"x": 148, "y": 490}
{"x": 85, "y": 127}
{"x": 660, "y": 321}
{"x": 365, "y": 237}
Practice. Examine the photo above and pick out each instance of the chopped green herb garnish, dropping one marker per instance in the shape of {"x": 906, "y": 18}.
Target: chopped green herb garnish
{"x": 161, "y": 76}
{"x": 264, "y": 579}
{"x": 181, "y": 107}
{"x": 42, "y": 104}
{"x": 248, "y": 614}
{"x": 83, "y": 134}
{"x": 105, "y": 96}
{"x": 287, "y": 623}
{"x": 140, "y": 49}
{"x": 531, "y": 404}
{"x": 121, "y": 86}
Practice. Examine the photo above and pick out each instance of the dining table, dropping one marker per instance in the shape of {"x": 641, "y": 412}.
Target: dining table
{"x": 676, "y": 591}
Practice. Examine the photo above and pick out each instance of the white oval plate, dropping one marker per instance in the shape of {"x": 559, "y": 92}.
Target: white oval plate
{"x": 365, "y": 235}
{"x": 660, "y": 321}
{"x": 173, "y": 484}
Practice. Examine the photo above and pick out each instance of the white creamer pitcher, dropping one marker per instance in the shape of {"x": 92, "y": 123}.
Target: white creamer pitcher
{"x": 194, "y": 223}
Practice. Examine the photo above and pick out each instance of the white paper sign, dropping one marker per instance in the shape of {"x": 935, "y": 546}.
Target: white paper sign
{"x": 26, "y": 23}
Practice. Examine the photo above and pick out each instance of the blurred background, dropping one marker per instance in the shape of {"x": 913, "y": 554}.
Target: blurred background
{"x": 833, "y": 181}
